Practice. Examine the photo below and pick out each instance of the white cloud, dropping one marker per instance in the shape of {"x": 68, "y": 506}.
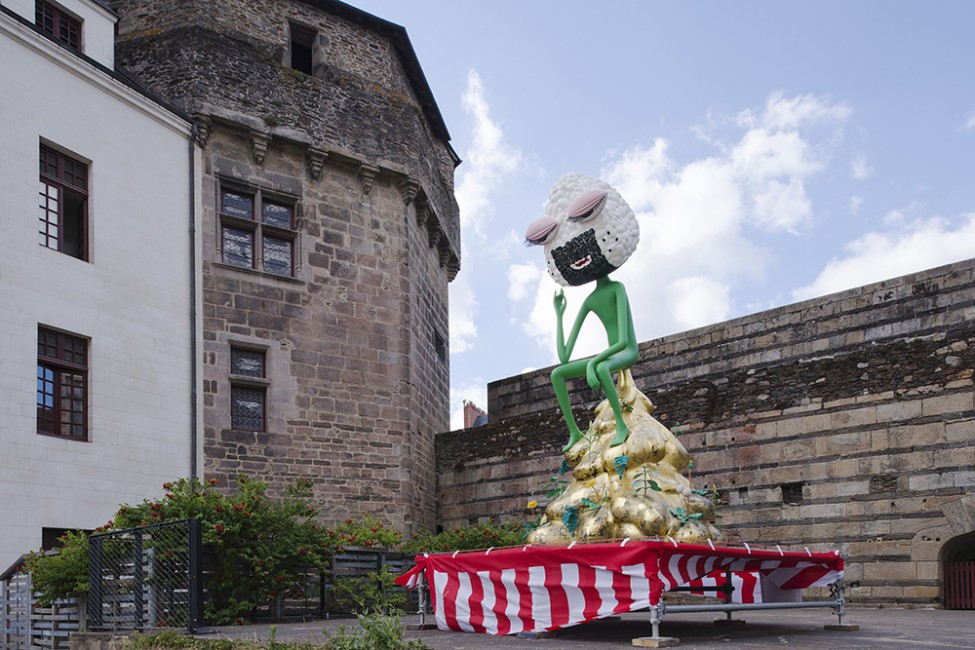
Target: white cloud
{"x": 860, "y": 168}
{"x": 474, "y": 391}
{"x": 462, "y": 309}
{"x": 876, "y": 256}
{"x": 697, "y": 219}
{"x": 790, "y": 113}
{"x": 970, "y": 122}
{"x": 521, "y": 278}
{"x": 855, "y": 203}
{"x": 699, "y": 301}
{"x": 488, "y": 162}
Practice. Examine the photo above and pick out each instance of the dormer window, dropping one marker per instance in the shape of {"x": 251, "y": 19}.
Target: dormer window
{"x": 302, "y": 47}
{"x": 55, "y": 23}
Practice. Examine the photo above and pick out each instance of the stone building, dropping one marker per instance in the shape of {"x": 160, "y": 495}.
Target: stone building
{"x": 329, "y": 235}
{"x": 96, "y": 278}
{"x": 846, "y": 422}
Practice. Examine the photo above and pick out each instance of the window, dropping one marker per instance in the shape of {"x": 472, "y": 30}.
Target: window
{"x": 55, "y": 23}
{"x": 248, "y": 390}
{"x": 52, "y": 538}
{"x": 257, "y": 231}
{"x": 63, "y": 203}
{"x": 302, "y": 46}
{"x": 439, "y": 345}
{"x": 62, "y": 384}
{"x": 792, "y": 492}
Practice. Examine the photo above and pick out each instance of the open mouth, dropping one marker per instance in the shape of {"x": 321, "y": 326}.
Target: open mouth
{"x": 578, "y": 265}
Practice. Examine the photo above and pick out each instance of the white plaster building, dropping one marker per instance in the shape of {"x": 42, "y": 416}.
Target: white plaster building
{"x": 97, "y": 276}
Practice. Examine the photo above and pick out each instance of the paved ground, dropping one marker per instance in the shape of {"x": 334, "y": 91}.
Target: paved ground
{"x": 798, "y": 629}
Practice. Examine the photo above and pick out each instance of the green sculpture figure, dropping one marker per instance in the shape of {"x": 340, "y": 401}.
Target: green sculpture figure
{"x": 587, "y": 232}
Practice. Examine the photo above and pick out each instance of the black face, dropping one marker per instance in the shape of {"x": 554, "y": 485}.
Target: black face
{"x": 580, "y": 261}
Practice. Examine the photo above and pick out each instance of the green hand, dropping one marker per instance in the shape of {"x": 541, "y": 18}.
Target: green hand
{"x": 591, "y": 377}
{"x": 559, "y": 303}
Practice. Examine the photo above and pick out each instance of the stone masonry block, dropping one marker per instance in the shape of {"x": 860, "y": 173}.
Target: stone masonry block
{"x": 844, "y": 444}
{"x": 889, "y": 571}
{"x": 963, "y": 402}
{"x": 930, "y": 481}
{"x": 960, "y": 431}
{"x": 898, "y": 411}
{"x": 917, "y": 435}
{"x": 858, "y": 417}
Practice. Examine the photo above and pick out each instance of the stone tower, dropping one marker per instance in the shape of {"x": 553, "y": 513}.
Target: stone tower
{"x": 329, "y": 233}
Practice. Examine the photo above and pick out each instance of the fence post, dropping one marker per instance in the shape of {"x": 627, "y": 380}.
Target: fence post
{"x": 29, "y": 601}
{"x": 137, "y": 570}
{"x": 95, "y": 608}
{"x": 3, "y": 614}
{"x": 195, "y": 549}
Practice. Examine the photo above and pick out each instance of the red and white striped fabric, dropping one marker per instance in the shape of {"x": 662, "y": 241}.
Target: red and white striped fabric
{"x": 536, "y": 588}
{"x": 747, "y": 586}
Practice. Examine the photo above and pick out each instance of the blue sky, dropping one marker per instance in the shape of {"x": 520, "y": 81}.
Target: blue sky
{"x": 773, "y": 151}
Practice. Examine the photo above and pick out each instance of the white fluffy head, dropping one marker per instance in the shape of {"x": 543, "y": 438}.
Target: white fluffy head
{"x": 587, "y": 232}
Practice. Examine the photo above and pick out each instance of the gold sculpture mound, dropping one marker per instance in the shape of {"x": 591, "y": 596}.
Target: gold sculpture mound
{"x": 632, "y": 490}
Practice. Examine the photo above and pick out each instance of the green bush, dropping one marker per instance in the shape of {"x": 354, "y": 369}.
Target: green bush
{"x": 257, "y": 549}
{"x": 375, "y": 632}
{"x": 373, "y": 592}
{"x": 62, "y": 574}
{"x": 487, "y": 535}
{"x": 369, "y": 531}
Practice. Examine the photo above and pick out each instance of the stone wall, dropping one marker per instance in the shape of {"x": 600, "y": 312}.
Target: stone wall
{"x": 357, "y": 376}
{"x": 847, "y": 421}
{"x": 367, "y": 101}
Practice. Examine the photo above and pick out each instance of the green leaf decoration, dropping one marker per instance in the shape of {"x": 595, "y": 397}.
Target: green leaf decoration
{"x": 681, "y": 513}
{"x": 643, "y": 482}
{"x": 570, "y": 519}
{"x": 590, "y": 504}
{"x": 620, "y": 463}
{"x": 556, "y": 487}
{"x": 565, "y": 467}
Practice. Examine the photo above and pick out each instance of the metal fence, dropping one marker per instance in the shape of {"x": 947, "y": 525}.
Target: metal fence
{"x": 352, "y": 581}
{"x": 24, "y": 625}
{"x": 146, "y": 577}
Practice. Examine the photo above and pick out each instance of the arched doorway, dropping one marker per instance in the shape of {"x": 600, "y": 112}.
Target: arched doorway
{"x": 958, "y": 569}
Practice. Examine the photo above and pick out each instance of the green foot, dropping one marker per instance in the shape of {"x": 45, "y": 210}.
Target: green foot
{"x": 621, "y": 437}
{"x": 574, "y": 437}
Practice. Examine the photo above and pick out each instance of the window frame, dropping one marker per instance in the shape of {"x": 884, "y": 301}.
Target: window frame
{"x": 62, "y": 22}
{"x": 249, "y": 382}
{"x": 59, "y": 366}
{"x": 69, "y": 176}
{"x": 258, "y": 228}
{"x": 304, "y": 37}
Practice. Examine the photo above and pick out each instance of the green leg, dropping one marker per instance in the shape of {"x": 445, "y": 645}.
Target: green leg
{"x": 609, "y": 388}
{"x": 559, "y": 376}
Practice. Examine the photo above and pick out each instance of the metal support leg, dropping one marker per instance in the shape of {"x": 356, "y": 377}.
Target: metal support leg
{"x": 423, "y": 598}
{"x": 422, "y": 609}
{"x": 656, "y": 615}
{"x": 655, "y": 640}
{"x": 729, "y": 590}
{"x": 837, "y": 591}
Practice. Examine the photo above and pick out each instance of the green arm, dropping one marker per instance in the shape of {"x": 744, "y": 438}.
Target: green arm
{"x": 563, "y": 348}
